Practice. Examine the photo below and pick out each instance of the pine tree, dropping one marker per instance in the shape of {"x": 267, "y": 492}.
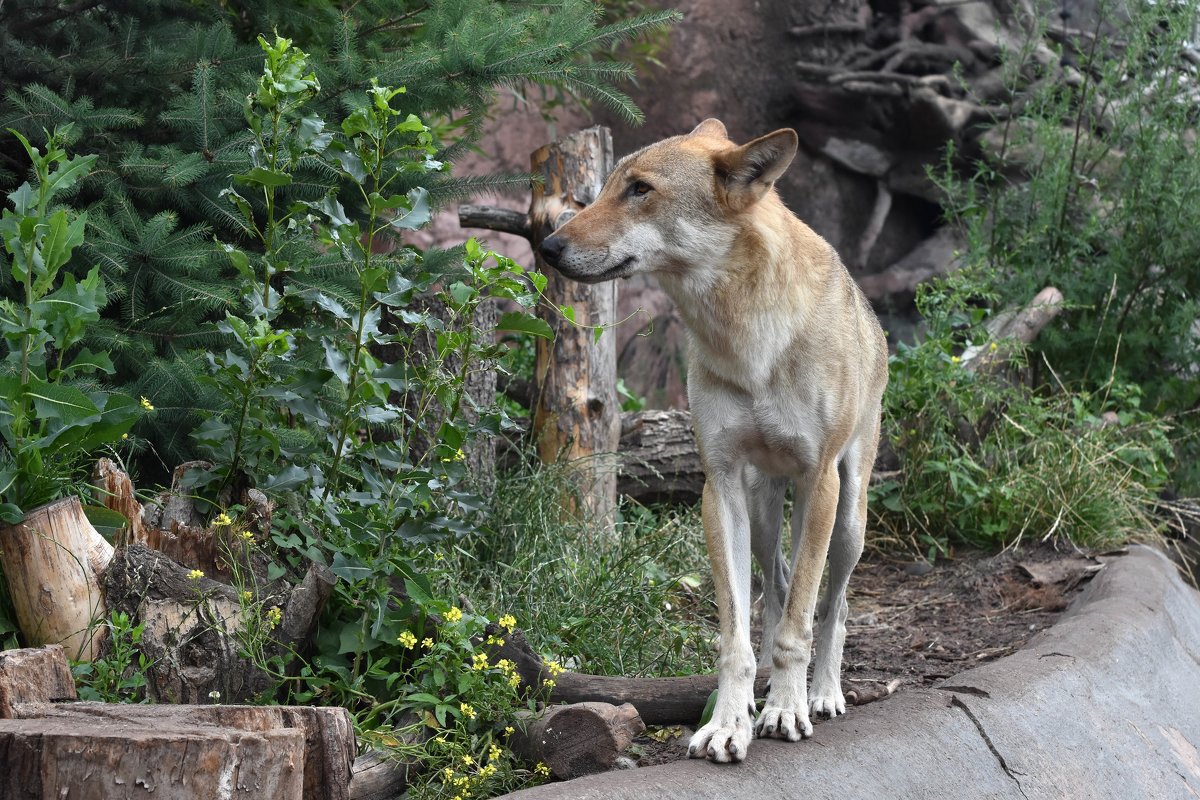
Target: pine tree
{"x": 156, "y": 89}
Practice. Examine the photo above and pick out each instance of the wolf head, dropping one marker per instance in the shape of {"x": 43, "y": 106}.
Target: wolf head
{"x": 671, "y": 205}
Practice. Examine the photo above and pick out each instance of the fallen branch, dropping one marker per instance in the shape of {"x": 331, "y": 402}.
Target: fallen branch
{"x": 860, "y": 697}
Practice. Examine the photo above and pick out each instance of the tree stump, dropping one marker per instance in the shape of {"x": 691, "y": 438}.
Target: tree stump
{"x": 576, "y": 410}
{"x": 579, "y": 739}
{"x": 34, "y": 675}
{"x": 577, "y": 413}
{"x": 98, "y": 751}
{"x": 52, "y": 561}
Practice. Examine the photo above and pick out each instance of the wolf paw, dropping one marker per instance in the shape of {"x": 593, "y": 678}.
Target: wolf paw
{"x": 784, "y": 720}
{"x": 826, "y": 703}
{"x": 725, "y": 739}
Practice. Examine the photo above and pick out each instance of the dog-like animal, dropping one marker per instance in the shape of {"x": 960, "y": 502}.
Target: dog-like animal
{"x": 787, "y": 365}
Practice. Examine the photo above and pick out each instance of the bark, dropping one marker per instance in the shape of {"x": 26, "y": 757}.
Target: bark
{"x": 99, "y": 750}
{"x": 659, "y": 460}
{"x": 374, "y": 776}
{"x": 34, "y": 675}
{"x": 195, "y": 629}
{"x": 116, "y": 493}
{"x": 579, "y": 739}
{"x": 577, "y": 414}
{"x": 52, "y": 561}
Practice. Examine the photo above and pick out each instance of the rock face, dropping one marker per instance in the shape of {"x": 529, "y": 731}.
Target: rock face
{"x": 875, "y": 90}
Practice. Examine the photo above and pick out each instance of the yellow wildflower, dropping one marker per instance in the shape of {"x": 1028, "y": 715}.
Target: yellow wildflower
{"x": 505, "y": 666}
{"x": 955, "y": 359}
{"x": 454, "y": 614}
{"x": 447, "y": 775}
{"x": 468, "y": 760}
{"x": 221, "y": 520}
{"x": 487, "y": 771}
{"x": 542, "y": 769}
{"x": 992, "y": 347}
{"x": 508, "y": 622}
{"x": 495, "y": 641}
{"x": 479, "y": 661}
{"x": 427, "y": 643}
{"x": 248, "y": 535}
{"x": 508, "y": 730}
{"x": 514, "y": 680}
{"x": 467, "y": 709}
{"x": 495, "y": 752}
{"x": 407, "y": 639}
{"x": 195, "y": 575}
{"x": 274, "y": 616}
{"x": 555, "y": 669}
{"x": 146, "y": 404}
{"x": 247, "y": 595}
{"x": 548, "y": 684}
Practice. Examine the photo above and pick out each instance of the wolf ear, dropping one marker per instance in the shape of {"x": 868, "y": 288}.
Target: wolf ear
{"x": 710, "y": 127}
{"x": 751, "y": 170}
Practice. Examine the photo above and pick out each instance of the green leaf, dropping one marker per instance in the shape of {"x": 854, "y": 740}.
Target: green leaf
{"x": 68, "y": 172}
{"x": 56, "y": 402}
{"x": 87, "y": 362}
{"x": 261, "y": 176}
{"x": 525, "y": 323}
{"x": 24, "y": 199}
{"x": 11, "y": 514}
{"x": 349, "y": 569}
{"x": 419, "y": 212}
{"x": 108, "y": 523}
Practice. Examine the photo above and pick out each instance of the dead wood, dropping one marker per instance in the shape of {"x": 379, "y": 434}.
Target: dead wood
{"x": 860, "y": 696}
{"x": 34, "y": 675}
{"x": 183, "y": 752}
{"x": 378, "y": 776}
{"x": 52, "y": 561}
{"x": 493, "y": 218}
{"x": 659, "y": 701}
{"x": 578, "y": 739}
{"x": 116, "y": 493}
{"x": 195, "y": 627}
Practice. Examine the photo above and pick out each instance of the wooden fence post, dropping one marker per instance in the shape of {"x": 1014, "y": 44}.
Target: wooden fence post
{"x": 577, "y": 413}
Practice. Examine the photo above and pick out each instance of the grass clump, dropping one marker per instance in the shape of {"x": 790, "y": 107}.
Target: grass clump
{"x": 630, "y": 601}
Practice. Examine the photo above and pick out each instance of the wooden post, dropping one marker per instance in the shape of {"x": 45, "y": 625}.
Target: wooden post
{"x": 52, "y": 561}
{"x": 577, "y": 413}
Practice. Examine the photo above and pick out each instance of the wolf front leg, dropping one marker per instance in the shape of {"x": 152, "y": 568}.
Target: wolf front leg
{"x": 785, "y": 715}
{"x": 727, "y": 532}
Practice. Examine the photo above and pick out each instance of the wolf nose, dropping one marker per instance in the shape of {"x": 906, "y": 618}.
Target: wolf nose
{"x": 552, "y": 249}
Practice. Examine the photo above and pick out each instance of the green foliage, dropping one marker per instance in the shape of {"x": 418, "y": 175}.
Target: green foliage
{"x": 120, "y": 675}
{"x": 1094, "y": 187}
{"x": 631, "y": 601}
{"x": 986, "y": 461}
{"x": 53, "y": 413}
{"x": 157, "y": 90}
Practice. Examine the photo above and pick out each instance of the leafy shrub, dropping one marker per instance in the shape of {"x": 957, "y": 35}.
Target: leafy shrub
{"x": 53, "y": 411}
{"x": 987, "y": 461}
{"x": 1092, "y": 185}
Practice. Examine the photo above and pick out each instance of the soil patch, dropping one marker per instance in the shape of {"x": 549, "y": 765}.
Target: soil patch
{"x": 920, "y": 623}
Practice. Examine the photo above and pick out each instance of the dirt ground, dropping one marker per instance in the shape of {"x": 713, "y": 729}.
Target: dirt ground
{"x": 919, "y": 624}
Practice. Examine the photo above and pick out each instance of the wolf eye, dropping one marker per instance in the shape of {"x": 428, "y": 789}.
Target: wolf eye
{"x": 639, "y": 188}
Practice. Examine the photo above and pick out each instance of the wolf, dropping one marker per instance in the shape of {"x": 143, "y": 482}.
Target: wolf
{"x": 787, "y": 364}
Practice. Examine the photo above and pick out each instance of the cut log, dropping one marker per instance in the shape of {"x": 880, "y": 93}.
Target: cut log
{"x": 34, "y": 675}
{"x": 53, "y": 560}
{"x": 659, "y": 459}
{"x": 578, "y": 739}
{"x": 378, "y": 776}
{"x": 659, "y": 701}
{"x": 180, "y": 751}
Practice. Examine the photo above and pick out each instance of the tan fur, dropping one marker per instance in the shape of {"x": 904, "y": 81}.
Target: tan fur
{"x": 786, "y": 371}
